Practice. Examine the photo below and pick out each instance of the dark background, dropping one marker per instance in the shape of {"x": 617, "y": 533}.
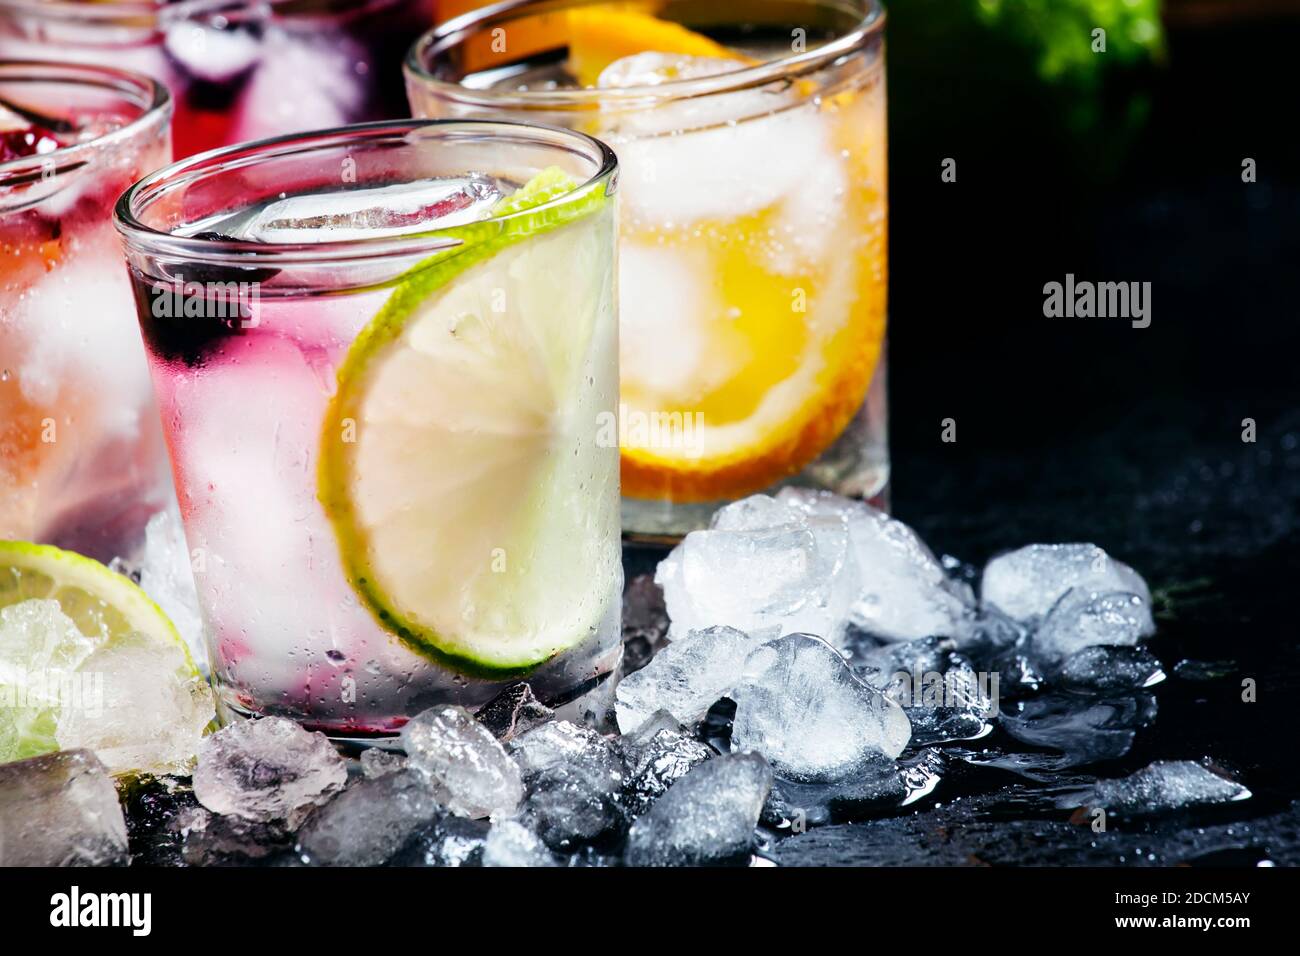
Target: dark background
{"x": 1089, "y": 429}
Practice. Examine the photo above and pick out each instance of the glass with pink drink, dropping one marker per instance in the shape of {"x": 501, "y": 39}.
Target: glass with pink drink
{"x": 237, "y": 69}
{"x": 386, "y": 357}
{"x": 82, "y": 461}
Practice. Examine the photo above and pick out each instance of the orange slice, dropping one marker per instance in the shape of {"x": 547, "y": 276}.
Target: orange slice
{"x": 602, "y": 34}
{"x": 760, "y": 388}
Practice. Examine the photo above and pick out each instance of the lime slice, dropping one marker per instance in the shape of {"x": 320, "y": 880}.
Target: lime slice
{"x": 60, "y": 613}
{"x": 476, "y": 514}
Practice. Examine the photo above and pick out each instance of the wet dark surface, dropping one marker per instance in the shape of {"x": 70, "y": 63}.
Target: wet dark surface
{"x": 1091, "y": 430}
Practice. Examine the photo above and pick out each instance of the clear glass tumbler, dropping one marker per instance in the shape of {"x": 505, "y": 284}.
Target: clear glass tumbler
{"x": 753, "y": 240}
{"x": 82, "y": 461}
{"x": 237, "y": 69}
{"x": 386, "y": 356}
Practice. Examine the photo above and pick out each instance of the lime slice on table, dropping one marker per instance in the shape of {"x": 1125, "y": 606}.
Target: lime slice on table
{"x": 58, "y": 611}
{"x": 459, "y": 462}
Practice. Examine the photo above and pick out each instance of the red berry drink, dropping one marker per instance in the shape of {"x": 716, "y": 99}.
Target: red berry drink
{"x": 386, "y": 357}
{"x": 237, "y": 69}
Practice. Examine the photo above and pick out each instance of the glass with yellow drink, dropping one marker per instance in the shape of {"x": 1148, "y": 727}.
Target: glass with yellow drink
{"x": 753, "y": 235}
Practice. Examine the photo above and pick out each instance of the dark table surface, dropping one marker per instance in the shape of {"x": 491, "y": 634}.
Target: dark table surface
{"x": 1092, "y": 430}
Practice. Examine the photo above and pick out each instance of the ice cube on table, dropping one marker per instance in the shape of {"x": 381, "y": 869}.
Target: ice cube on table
{"x": 213, "y": 839}
{"x": 377, "y": 763}
{"x": 510, "y": 843}
{"x": 370, "y": 821}
{"x": 469, "y": 769}
{"x": 1024, "y": 584}
{"x": 561, "y": 741}
{"x": 904, "y": 593}
{"x": 449, "y": 841}
{"x": 147, "y": 712}
{"x": 574, "y": 779}
{"x": 764, "y": 569}
{"x": 658, "y": 763}
{"x": 60, "y": 809}
{"x": 574, "y": 802}
{"x": 1166, "y": 785}
{"x": 706, "y": 818}
{"x": 267, "y": 770}
{"x": 1085, "y": 730}
{"x": 1104, "y": 669}
{"x": 685, "y": 679}
{"x": 370, "y": 212}
{"x": 1083, "y": 618}
{"x": 882, "y": 785}
{"x": 799, "y": 704}
{"x": 943, "y": 695}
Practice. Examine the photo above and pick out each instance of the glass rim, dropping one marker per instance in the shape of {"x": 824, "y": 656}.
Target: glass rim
{"x": 243, "y": 252}
{"x": 155, "y": 101}
{"x": 442, "y": 38}
{"x": 144, "y": 14}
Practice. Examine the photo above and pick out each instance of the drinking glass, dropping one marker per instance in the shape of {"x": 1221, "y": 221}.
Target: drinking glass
{"x": 237, "y": 69}
{"x": 386, "y": 357}
{"x": 82, "y": 461}
{"x": 753, "y": 240}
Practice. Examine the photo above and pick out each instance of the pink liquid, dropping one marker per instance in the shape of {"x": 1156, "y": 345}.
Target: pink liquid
{"x": 82, "y": 462}
{"x": 309, "y": 66}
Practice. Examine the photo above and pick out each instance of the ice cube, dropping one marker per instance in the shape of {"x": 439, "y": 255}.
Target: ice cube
{"x": 514, "y": 711}
{"x": 1025, "y": 583}
{"x": 1083, "y": 619}
{"x": 799, "y": 704}
{"x": 560, "y": 742}
{"x": 370, "y": 821}
{"x": 147, "y": 714}
{"x": 215, "y": 54}
{"x": 1102, "y": 669}
{"x": 307, "y": 79}
{"x": 887, "y": 785}
{"x": 1166, "y": 785}
{"x": 40, "y": 647}
{"x": 651, "y": 69}
{"x": 904, "y": 593}
{"x": 371, "y": 212}
{"x": 60, "y": 809}
{"x": 510, "y": 843}
{"x": 943, "y": 695}
{"x": 378, "y": 763}
{"x": 470, "y": 771}
{"x": 1084, "y": 730}
{"x": 210, "y": 839}
{"x": 706, "y": 818}
{"x": 574, "y": 803}
{"x": 671, "y": 177}
{"x": 267, "y": 770}
{"x": 686, "y": 678}
{"x": 574, "y": 778}
{"x": 450, "y": 841}
{"x": 167, "y": 577}
{"x": 763, "y": 568}
{"x": 658, "y": 763}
